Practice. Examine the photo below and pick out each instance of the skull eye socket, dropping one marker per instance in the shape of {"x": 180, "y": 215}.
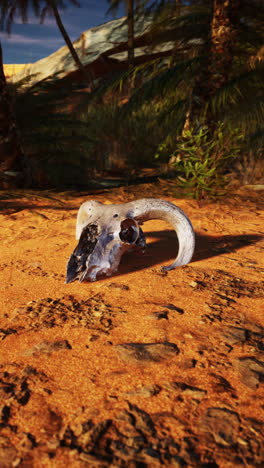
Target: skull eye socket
{"x": 129, "y": 231}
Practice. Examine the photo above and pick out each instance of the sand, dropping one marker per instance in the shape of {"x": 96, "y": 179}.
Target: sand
{"x": 142, "y": 369}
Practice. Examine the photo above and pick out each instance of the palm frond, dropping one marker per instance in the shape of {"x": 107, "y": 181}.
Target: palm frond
{"x": 242, "y": 98}
{"x": 160, "y": 85}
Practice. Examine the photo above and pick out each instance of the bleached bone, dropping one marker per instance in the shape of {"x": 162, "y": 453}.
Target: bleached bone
{"x": 105, "y": 232}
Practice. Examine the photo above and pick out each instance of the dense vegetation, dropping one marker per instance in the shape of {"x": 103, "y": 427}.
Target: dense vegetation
{"x": 198, "y": 111}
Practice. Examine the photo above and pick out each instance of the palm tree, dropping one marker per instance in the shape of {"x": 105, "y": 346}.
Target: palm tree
{"x": 11, "y": 152}
{"x": 214, "y": 45}
{"x": 224, "y": 35}
{"x": 130, "y": 8}
{"x": 11, "y": 8}
{"x": 53, "y": 6}
{"x": 218, "y": 55}
{"x": 213, "y": 83}
{"x": 130, "y": 34}
{"x": 12, "y": 159}
{"x": 213, "y": 60}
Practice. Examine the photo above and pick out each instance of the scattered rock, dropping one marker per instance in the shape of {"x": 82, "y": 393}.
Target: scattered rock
{"x": 4, "y": 332}
{"x": 15, "y": 383}
{"x": 189, "y": 363}
{"x": 94, "y": 338}
{"x": 221, "y": 424}
{"x": 129, "y": 440}
{"x": 163, "y": 314}
{"x": 188, "y": 335}
{"x": 14, "y": 387}
{"x": 235, "y": 335}
{"x": 251, "y": 371}
{"x": 221, "y": 385}
{"x": 141, "y": 420}
{"x": 183, "y": 388}
{"x": 147, "y": 352}
{"x": 146, "y": 391}
{"x": 47, "y": 347}
{"x": 124, "y": 287}
{"x": 252, "y": 335}
{"x": 174, "y": 308}
{"x": 90, "y": 436}
{"x": 5, "y": 413}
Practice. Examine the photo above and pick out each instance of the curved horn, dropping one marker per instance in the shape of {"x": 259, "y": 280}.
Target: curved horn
{"x": 153, "y": 208}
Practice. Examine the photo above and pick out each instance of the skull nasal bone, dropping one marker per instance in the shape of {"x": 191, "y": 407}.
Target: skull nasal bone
{"x": 129, "y": 231}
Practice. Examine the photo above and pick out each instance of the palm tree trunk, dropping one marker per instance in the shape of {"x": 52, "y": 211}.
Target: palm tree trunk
{"x": 68, "y": 42}
{"x": 130, "y": 34}
{"x": 12, "y": 170}
{"x": 217, "y": 61}
{"x": 224, "y": 29}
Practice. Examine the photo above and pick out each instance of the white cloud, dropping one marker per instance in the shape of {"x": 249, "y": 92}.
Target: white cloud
{"x": 49, "y": 21}
{"x": 21, "y": 39}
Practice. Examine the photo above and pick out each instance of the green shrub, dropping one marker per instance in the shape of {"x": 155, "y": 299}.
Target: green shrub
{"x": 201, "y": 160}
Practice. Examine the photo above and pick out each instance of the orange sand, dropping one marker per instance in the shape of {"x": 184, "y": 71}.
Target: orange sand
{"x": 78, "y": 386}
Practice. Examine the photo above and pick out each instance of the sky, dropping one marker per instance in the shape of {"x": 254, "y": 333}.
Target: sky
{"x": 30, "y": 42}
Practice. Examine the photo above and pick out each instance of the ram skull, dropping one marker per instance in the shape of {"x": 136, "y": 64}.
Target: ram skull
{"x": 105, "y": 232}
